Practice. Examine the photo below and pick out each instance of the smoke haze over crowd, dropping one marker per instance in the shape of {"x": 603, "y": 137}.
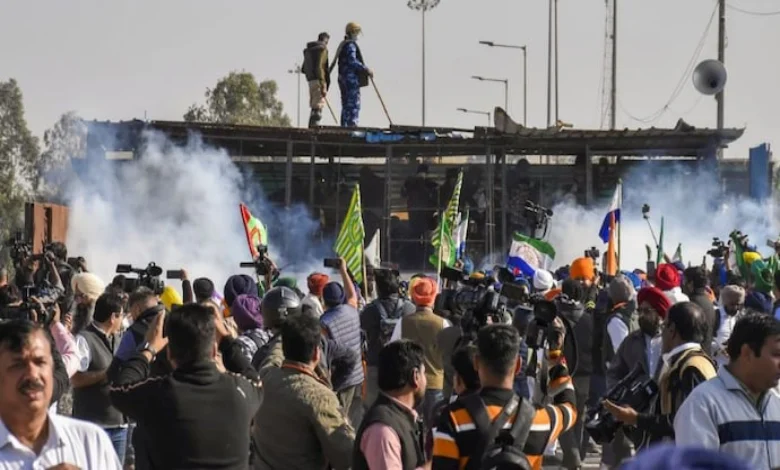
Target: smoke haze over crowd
{"x": 178, "y": 206}
{"x": 693, "y": 208}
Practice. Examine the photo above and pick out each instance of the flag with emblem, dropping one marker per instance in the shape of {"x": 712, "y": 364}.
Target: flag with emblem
{"x": 349, "y": 243}
{"x": 256, "y": 233}
{"x": 443, "y": 239}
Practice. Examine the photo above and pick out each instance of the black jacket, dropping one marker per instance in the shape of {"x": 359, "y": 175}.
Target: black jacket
{"x": 581, "y": 321}
{"x": 409, "y": 431}
{"x": 371, "y": 319}
{"x": 702, "y": 299}
{"x": 195, "y": 417}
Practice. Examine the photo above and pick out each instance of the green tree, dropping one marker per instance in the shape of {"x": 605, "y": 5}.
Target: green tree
{"x": 19, "y": 159}
{"x": 65, "y": 140}
{"x": 239, "y": 98}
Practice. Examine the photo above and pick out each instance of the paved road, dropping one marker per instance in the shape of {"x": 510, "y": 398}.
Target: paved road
{"x": 591, "y": 463}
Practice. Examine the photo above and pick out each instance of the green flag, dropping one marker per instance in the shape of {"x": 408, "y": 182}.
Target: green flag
{"x": 349, "y": 243}
{"x": 443, "y": 239}
{"x": 739, "y": 252}
{"x": 660, "y": 257}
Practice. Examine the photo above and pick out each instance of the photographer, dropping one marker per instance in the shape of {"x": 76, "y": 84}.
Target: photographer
{"x": 459, "y": 433}
{"x": 642, "y": 347}
{"x": 686, "y": 366}
{"x": 581, "y": 321}
{"x": 143, "y": 307}
{"x": 182, "y": 426}
{"x": 63, "y": 346}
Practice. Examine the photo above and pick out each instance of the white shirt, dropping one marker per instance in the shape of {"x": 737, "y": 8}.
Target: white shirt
{"x": 676, "y": 296}
{"x": 683, "y": 347}
{"x": 722, "y": 336}
{"x": 70, "y": 441}
{"x": 85, "y": 355}
{"x": 617, "y": 331}
{"x": 653, "y": 352}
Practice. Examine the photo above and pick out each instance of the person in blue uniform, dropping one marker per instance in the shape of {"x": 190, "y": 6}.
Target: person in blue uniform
{"x": 353, "y": 75}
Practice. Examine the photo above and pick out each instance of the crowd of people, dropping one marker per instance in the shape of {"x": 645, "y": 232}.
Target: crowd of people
{"x": 260, "y": 374}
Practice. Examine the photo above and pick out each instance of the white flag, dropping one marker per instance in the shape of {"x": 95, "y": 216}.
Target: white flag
{"x": 373, "y": 255}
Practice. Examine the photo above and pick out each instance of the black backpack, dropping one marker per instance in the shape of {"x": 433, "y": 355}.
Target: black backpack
{"x": 388, "y": 322}
{"x": 499, "y": 448}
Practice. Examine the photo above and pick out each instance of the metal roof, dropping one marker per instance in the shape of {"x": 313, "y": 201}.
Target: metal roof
{"x": 241, "y": 140}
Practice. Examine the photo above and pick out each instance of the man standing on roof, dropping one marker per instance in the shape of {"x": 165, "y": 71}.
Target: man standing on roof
{"x": 315, "y": 67}
{"x": 353, "y": 75}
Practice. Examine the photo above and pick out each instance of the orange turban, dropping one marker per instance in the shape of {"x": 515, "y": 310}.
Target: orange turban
{"x": 424, "y": 292}
{"x": 582, "y": 268}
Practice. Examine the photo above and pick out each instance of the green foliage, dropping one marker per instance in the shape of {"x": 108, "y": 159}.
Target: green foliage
{"x": 239, "y": 99}
{"x": 66, "y": 140}
{"x": 19, "y": 159}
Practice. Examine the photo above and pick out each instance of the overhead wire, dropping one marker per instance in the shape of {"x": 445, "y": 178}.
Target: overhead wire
{"x": 752, "y": 13}
{"x": 656, "y": 115}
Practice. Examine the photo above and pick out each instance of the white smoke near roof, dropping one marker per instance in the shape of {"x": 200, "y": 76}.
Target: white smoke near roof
{"x": 693, "y": 208}
{"x": 178, "y": 206}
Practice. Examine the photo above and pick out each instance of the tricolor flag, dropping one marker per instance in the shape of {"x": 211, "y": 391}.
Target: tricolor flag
{"x": 256, "y": 233}
{"x": 443, "y": 238}
{"x": 461, "y": 232}
{"x": 608, "y": 232}
{"x": 373, "y": 255}
{"x": 527, "y": 254}
{"x": 349, "y": 243}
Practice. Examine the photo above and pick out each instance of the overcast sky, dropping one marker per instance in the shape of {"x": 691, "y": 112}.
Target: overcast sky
{"x": 121, "y": 60}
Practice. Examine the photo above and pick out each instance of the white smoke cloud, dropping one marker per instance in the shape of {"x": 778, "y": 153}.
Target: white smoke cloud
{"x": 693, "y": 208}
{"x": 178, "y": 206}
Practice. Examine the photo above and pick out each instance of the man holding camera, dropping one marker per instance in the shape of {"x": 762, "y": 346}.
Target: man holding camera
{"x": 458, "y": 436}
{"x": 196, "y": 417}
{"x": 685, "y": 366}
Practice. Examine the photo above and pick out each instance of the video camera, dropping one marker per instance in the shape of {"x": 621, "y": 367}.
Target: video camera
{"x": 262, "y": 264}
{"x": 632, "y": 391}
{"x": 593, "y": 253}
{"x": 474, "y": 298}
{"x": 719, "y": 248}
{"x": 19, "y": 248}
{"x": 538, "y": 215}
{"x": 40, "y": 311}
{"x": 147, "y": 277}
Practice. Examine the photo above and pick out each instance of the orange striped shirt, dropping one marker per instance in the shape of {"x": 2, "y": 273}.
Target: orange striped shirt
{"x": 456, "y": 436}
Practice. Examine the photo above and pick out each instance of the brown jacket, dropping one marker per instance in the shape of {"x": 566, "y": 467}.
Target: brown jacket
{"x": 423, "y": 327}
{"x": 300, "y": 425}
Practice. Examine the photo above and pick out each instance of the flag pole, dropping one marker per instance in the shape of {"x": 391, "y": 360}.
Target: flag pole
{"x": 365, "y": 277}
{"x": 620, "y": 225}
{"x": 438, "y": 260}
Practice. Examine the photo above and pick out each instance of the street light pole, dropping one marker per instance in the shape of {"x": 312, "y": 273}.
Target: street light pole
{"x": 472, "y": 111}
{"x": 423, "y": 6}
{"x": 525, "y": 73}
{"x": 525, "y": 86}
{"x": 505, "y": 81}
{"x": 298, "y": 70}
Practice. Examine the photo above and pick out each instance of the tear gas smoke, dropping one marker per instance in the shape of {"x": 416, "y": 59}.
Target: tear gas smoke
{"x": 178, "y": 206}
{"x": 693, "y": 208}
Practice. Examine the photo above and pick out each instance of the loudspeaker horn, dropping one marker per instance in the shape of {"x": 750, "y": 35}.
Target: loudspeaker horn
{"x": 709, "y": 77}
